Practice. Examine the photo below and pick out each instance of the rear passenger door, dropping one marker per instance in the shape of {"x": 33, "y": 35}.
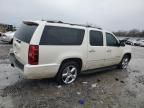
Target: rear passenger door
{"x": 113, "y": 50}
{"x": 96, "y": 50}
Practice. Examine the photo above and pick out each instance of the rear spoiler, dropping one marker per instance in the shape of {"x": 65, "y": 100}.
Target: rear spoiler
{"x": 30, "y": 23}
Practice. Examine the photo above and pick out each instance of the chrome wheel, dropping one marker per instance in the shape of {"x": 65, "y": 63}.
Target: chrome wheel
{"x": 69, "y": 74}
{"x": 125, "y": 62}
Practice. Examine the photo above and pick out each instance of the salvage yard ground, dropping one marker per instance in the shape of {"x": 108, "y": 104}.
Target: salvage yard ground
{"x": 108, "y": 89}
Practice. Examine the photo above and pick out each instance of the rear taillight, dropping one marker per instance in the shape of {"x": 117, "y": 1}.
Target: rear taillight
{"x": 33, "y": 54}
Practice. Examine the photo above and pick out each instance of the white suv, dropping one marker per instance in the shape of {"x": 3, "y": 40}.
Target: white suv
{"x": 43, "y": 49}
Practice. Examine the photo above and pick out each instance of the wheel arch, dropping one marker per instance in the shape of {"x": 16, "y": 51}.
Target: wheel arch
{"x": 76, "y": 59}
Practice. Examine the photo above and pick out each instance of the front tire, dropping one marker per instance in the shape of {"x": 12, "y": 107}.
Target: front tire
{"x": 68, "y": 73}
{"x": 124, "y": 63}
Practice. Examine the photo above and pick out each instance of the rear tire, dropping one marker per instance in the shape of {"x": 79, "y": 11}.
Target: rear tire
{"x": 68, "y": 72}
{"x": 124, "y": 62}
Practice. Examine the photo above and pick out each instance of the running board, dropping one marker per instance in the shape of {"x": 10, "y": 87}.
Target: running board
{"x": 99, "y": 69}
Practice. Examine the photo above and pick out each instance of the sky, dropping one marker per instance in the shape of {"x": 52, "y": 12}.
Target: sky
{"x": 112, "y": 15}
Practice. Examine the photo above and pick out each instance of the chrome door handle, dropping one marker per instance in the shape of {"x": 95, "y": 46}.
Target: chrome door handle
{"x": 108, "y": 50}
{"x": 92, "y": 51}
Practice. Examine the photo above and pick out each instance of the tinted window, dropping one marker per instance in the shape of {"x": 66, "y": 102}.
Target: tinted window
{"x": 111, "y": 40}
{"x": 25, "y": 32}
{"x": 61, "y": 36}
{"x": 96, "y": 38}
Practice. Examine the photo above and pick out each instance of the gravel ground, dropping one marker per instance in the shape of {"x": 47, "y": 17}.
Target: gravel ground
{"x": 108, "y": 89}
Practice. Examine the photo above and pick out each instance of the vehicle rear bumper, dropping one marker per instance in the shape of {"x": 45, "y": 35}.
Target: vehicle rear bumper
{"x": 142, "y": 45}
{"x": 14, "y": 62}
{"x": 35, "y": 71}
{"x": 5, "y": 39}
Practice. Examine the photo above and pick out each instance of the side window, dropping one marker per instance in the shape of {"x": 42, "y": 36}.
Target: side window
{"x": 53, "y": 35}
{"x": 96, "y": 38}
{"x": 111, "y": 40}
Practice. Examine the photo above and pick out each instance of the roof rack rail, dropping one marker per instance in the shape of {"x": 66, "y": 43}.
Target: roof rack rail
{"x": 88, "y": 26}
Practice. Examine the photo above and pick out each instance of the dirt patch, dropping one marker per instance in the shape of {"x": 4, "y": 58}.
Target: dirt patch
{"x": 108, "y": 89}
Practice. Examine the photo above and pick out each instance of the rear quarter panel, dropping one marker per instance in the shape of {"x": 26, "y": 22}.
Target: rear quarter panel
{"x": 56, "y": 54}
{"x": 49, "y": 54}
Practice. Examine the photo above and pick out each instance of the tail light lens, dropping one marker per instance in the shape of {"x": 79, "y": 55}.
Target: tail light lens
{"x": 33, "y": 54}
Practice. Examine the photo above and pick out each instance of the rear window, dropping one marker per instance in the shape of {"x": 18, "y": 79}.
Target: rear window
{"x": 61, "y": 36}
{"x": 25, "y": 32}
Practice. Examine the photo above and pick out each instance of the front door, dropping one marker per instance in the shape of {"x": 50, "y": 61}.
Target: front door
{"x": 113, "y": 50}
